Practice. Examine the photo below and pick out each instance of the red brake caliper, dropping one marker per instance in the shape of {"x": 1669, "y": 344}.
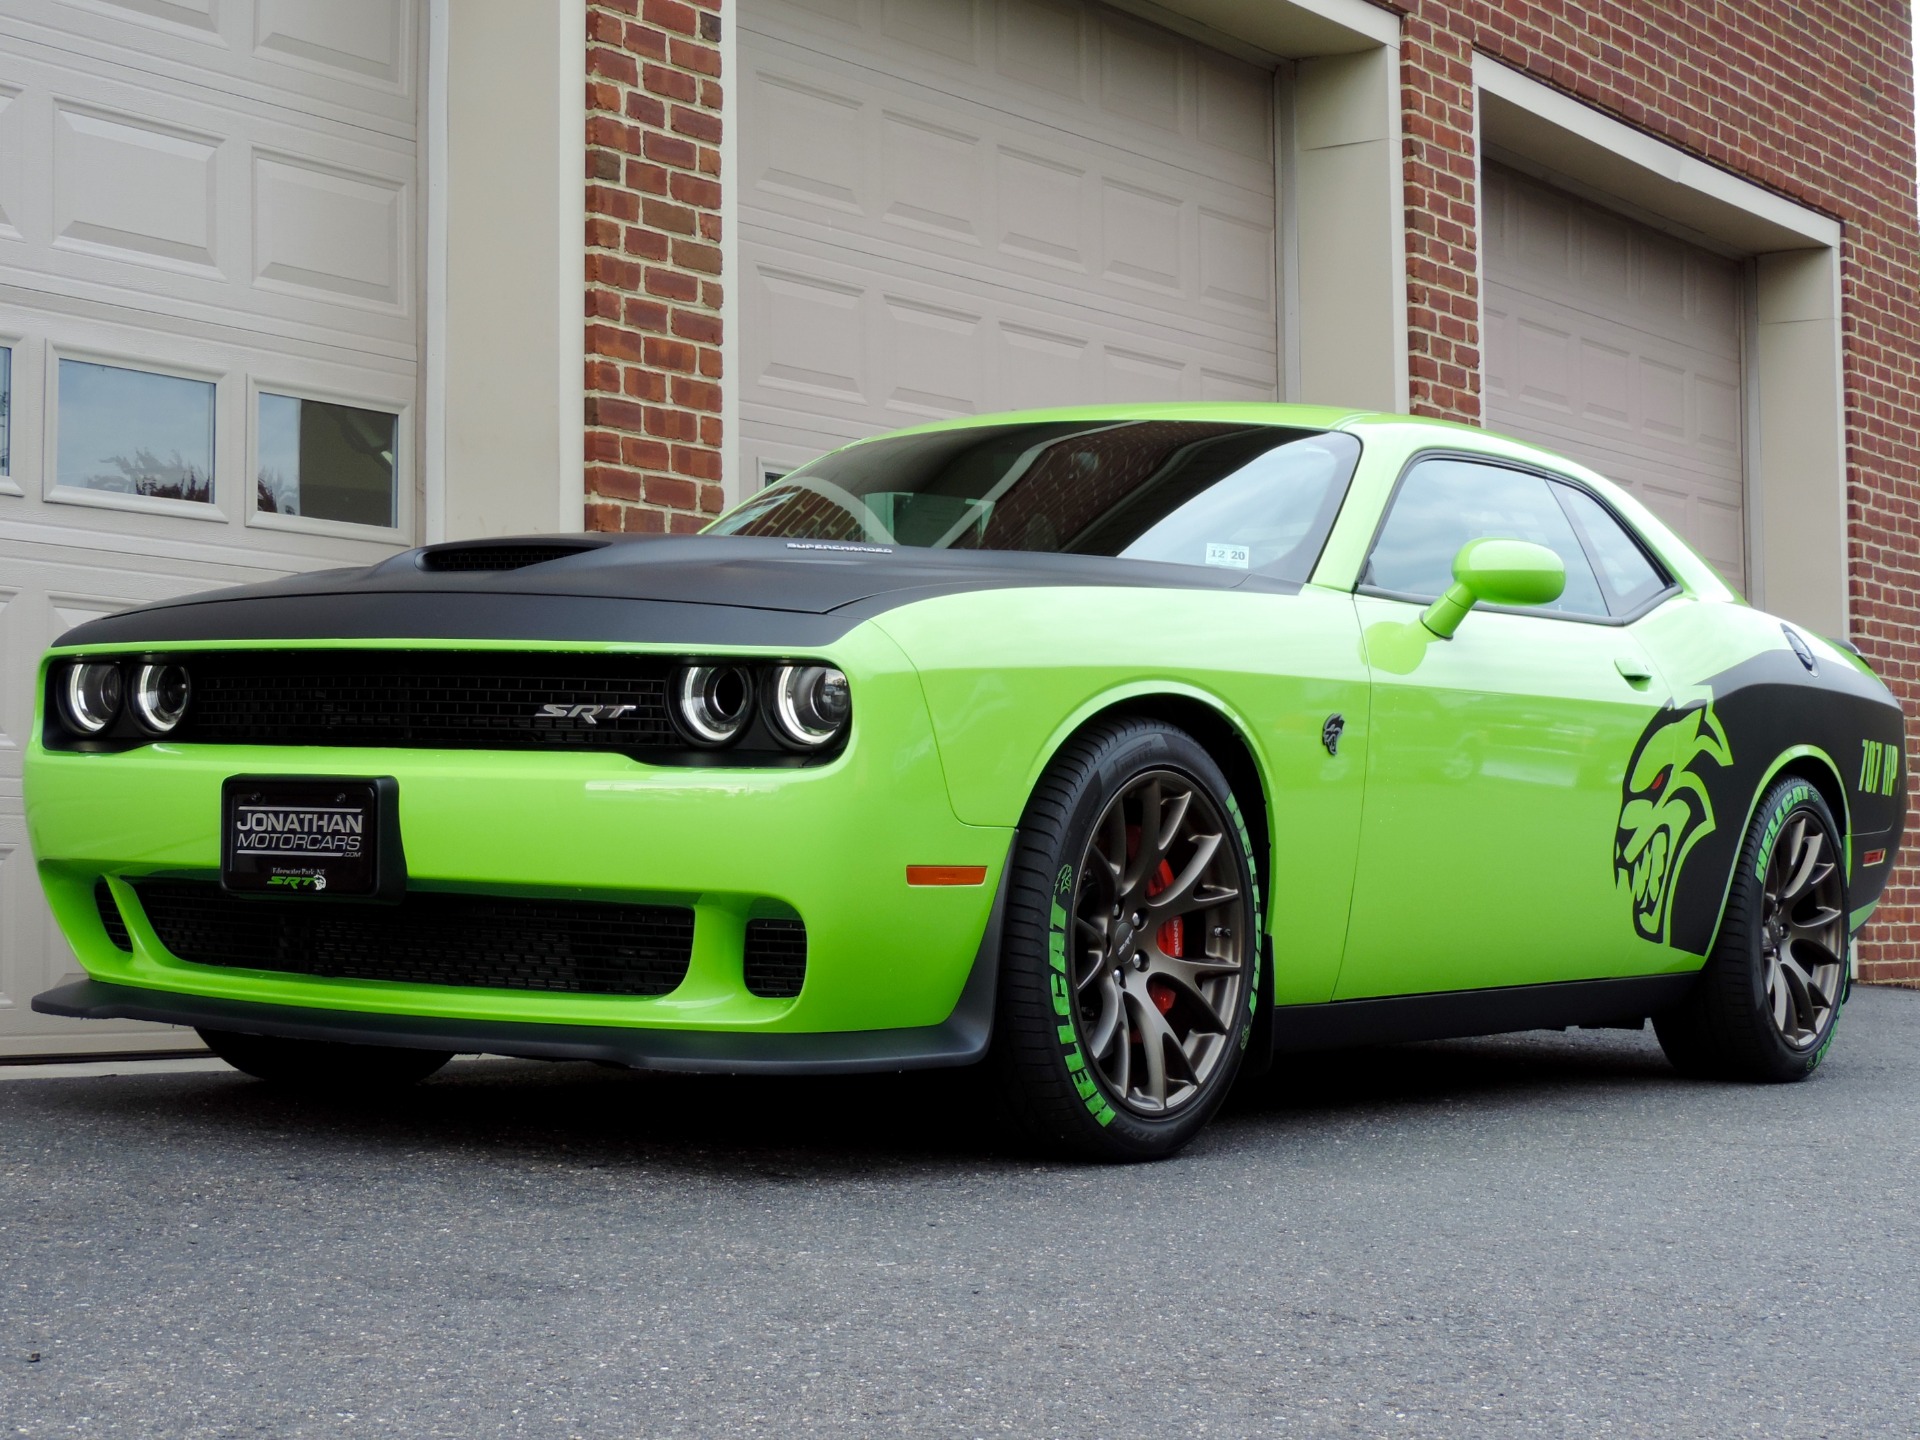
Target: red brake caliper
{"x": 1172, "y": 937}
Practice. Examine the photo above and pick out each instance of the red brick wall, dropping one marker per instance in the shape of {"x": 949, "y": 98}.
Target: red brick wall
{"x": 654, "y": 106}
{"x": 1812, "y": 100}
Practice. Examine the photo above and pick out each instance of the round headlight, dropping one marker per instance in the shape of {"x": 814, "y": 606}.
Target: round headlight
{"x": 713, "y": 703}
{"x": 160, "y": 696}
{"x": 90, "y": 695}
{"x": 811, "y": 705}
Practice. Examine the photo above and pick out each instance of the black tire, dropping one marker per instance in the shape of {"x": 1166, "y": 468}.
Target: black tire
{"x": 1728, "y": 1028}
{"x": 1056, "y": 1087}
{"x": 324, "y": 1064}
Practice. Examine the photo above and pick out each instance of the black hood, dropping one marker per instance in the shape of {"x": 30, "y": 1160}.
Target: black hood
{"x": 683, "y": 589}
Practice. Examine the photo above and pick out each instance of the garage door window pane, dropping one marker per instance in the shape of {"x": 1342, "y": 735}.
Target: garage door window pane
{"x": 326, "y": 461}
{"x": 1445, "y": 503}
{"x": 135, "y": 432}
{"x": 6, "y": 409}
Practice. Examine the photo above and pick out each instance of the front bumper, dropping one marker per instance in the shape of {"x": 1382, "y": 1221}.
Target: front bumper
{"x": 960, "y": 1039}
{"x": 829, "y": 844}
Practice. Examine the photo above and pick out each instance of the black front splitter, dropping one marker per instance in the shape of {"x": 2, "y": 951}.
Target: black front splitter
{"x": 961, "y": 1039}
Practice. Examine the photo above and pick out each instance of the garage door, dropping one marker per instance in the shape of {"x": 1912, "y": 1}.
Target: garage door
{"x": 208, "y": 314}
{"x": 955, "y": 207}
{"x": 1620, "y": 346}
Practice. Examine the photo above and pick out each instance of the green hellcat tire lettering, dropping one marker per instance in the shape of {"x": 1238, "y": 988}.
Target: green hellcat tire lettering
{"x": 1259, "y": 918}
{"x": 1058, "y": 920}
{"x": 1763, "y": 856}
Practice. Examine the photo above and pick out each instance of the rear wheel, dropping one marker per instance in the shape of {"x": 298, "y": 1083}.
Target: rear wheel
{"x": 318, "y": 1064}
{"x": 1770, "y": 995}
{"x": 1129, "y": 964}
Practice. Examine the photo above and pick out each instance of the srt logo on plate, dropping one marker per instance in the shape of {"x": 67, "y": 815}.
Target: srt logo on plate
{"x": 592, "y": 714}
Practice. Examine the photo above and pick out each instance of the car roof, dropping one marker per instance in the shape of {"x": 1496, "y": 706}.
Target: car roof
{"x": 1298, "y": 417}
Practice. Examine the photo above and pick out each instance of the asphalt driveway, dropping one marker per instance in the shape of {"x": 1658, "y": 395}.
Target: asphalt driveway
{"x": 1543, "y": 1235}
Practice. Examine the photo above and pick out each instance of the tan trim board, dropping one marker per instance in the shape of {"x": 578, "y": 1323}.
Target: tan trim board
{"x": 1285, "y": 29}
{"x": 1525, "y": 118}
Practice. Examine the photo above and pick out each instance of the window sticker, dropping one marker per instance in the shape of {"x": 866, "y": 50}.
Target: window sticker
{"x": 1230, "y": 557}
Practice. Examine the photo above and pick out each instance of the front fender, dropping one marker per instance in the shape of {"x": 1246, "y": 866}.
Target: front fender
{"x": 1010, "y": 675}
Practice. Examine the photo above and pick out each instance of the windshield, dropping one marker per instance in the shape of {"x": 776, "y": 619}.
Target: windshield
{"x": 1243, "y": 497}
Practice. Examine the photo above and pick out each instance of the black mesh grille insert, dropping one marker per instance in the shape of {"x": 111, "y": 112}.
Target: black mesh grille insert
{"x": 776, "y": 957}
{"x": 497, "y": 557}
{"x": 442, "y": 699}
{"x": 110, "y": 915}
{"x": 576, "y": 947}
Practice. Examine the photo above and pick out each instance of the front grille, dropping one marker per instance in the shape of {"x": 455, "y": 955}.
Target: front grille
{"x": 776, "y": 957}
{"x": 430, "y": 938}
{"x": 439, "y": 699}
{"x": 496, "y": 557}
{"x": 110, "y": 915}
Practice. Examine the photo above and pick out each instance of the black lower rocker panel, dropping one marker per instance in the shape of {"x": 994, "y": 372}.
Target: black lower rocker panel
{"x": 1456, "y": 1014}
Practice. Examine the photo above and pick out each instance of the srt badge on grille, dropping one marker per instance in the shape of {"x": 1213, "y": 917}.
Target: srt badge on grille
{"x": 592, "y": 714}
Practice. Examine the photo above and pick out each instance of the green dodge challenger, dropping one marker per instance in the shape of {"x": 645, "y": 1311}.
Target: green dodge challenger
{"x": 1113, "y": 749}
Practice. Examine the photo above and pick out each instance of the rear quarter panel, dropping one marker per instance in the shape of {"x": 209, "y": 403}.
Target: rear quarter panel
{"x": 1737, "y": 666}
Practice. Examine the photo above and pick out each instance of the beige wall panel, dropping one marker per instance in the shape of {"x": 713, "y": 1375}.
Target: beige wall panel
{"x": 1348, "y": 206}
{"x": 1801, "y": 479}
{"x": 512, "y": 359}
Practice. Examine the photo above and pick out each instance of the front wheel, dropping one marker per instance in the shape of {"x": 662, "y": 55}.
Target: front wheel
{"x": 1130, "y": 960}
{"x": 1770, "y": 994}
{"x": 324, "y": 1064}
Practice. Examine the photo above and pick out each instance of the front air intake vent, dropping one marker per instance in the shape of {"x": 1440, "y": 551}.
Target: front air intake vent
{"x": 431, "y": 938}
{"x": 110, "y": 916}
{"x": 776, "y": 958}
{"x": 496, "y": 557}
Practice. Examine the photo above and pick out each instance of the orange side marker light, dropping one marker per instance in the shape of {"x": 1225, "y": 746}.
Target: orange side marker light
{"x": 946, "y": 874}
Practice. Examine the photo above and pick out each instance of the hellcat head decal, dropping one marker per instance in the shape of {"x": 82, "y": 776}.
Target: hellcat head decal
{"x": 1665, "y": 810}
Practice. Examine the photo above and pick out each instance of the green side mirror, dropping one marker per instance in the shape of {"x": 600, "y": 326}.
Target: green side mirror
{"x": 1499, "y": 572}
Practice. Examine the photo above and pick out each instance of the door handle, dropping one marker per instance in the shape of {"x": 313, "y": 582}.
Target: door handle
{"x": 1634, "y": 672}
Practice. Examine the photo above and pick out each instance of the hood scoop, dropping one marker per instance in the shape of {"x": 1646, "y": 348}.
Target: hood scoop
{"x": 504, "y": 555}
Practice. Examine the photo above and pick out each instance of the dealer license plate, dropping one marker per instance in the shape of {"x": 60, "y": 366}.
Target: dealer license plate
{"x": 300, "y": 837}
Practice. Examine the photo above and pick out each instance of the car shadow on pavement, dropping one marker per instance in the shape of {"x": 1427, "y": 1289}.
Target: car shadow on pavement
{"x": 795, "y": 1128}
{"x": 1518, "y": 1068}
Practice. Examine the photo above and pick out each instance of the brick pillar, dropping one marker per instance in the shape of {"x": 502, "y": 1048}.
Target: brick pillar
{"x": 1443, "y": 227}
{"x": 653, "y": 264}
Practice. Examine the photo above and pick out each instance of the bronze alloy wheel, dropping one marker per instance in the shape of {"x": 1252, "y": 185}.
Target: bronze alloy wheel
{"x": 1160, "y": 954}
{"x": 1769, "y": 996}
{"x": 1802, "y": 932}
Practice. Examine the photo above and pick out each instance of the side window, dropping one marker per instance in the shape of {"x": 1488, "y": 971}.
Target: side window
{"x": 1443, "y": 504}
{"x": 1629, "y": 578}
